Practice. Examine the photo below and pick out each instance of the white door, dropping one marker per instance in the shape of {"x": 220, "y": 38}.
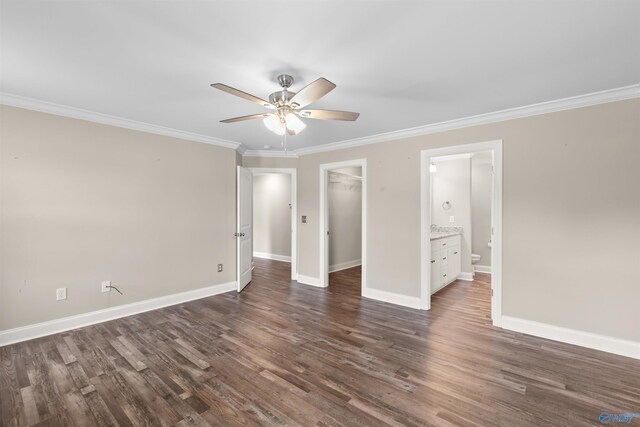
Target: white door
{"x": 244, "y": 235}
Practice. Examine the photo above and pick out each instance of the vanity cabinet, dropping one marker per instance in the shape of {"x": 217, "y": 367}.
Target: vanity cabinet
{"x": 445, "y": 261}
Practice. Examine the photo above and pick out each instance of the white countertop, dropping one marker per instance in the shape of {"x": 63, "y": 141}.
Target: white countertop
{"x": 442, "y": 234}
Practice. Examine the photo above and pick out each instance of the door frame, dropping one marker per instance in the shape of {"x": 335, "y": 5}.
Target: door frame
{"x": 324, "y": 215}
{"x": 294, "y": 212}
{"x": 496, "y": 221}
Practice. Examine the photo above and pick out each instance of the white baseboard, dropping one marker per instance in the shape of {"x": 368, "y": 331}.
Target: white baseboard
{"x": 465, "y": 276}
{"x": 392, "y": 298}
{"x": 482, "y": 268}
{"x": 37, "y": 330}
{"x": 308, "y": 280}
{"x": 433, "y": 291}
{"x": 274, "y": 257}
{"x": 573, "y": 336}
{"x": 344, "y": 265}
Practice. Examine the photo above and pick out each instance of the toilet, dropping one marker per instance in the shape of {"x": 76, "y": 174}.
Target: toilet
{"x": 475, "y": 258}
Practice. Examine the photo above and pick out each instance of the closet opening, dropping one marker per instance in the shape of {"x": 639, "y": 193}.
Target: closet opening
{"x": 343, "y": 226}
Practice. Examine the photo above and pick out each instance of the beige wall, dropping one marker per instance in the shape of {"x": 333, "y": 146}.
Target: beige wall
{"x": 481, "y": 188}
{"x": 84, "y": 202}
{"x": 452, "y": 183}
{"x": 270, "y": 162}
{"x": 569, "y": 179}
{"x": 344, "y": 206}
{"x": 272, "y": 214}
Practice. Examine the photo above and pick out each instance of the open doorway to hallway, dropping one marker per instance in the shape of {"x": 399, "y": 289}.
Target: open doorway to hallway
{"x": 274, "y": 213}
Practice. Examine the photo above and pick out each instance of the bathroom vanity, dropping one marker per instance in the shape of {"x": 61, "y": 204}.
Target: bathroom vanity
{"x": 445, "y": 258}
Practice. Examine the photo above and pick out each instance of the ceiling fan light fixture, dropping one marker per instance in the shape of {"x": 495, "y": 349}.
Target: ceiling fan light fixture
{"x": 273, "y": 123}
{"x": 294, "y": 124}
{"x": 286, "y": 114}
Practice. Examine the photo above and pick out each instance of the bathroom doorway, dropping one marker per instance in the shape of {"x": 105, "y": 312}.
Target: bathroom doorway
{"x": 461, "y": 198}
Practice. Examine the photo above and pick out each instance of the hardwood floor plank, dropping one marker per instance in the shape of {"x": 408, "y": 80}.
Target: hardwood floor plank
{"x": 281, "y": 353}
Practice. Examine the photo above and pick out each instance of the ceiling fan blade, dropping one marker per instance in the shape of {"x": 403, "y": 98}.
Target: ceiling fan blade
{"x": 329, "y": 115}
{"x": 243, "y": 118}
{"x": 312, "y": 92}
{"x": 245, "y": 95}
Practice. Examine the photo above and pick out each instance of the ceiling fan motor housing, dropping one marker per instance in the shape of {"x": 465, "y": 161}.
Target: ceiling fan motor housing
{"x": 281, "y": 98}
{"x": 285, "y": 80}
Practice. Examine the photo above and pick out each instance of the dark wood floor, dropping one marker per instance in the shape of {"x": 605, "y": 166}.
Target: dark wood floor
{"x": 283, "y": 353}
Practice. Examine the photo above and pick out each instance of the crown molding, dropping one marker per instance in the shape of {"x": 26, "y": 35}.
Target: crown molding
{"x": 605, "y": 96}
{"x": 266, "y": 153}
{"x": 105, "y": 119}
{"x": 611, "y": 95}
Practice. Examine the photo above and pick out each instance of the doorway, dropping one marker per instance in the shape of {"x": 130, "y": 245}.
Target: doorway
{"x": 447, "y": 249}
{"x": 343, "y": 219}
{"x": 274, "y": 215}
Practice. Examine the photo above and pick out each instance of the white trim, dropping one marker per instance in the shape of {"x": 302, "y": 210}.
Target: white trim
{"x": 294, "y": 213}
{"x": 573, "y": 336}
{"x": 611, "y": 95}
{"x": 242, "y": 149}
{"x": 105, "y": 119}
{"x": 344, "y": 265}
{"x": 392, "y": 298}
{"x": 268, "y": 153}
{"x": 324, "y": 215}
{"x": 467, "y": 277}
{"x": 274, "y": 257}
{"x": 453, "y": 157}
{"x": 311, "y": 281}
{"x": 496, "y": 220}
{"x": 482, "y": 268}
{"x": 37, "y": 330}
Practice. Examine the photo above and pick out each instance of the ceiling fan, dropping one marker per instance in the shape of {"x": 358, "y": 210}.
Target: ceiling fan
{"x": 287, "y": 106}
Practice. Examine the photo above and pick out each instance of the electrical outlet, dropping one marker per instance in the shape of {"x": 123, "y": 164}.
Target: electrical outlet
{"x": 61, "y": 293}
{"x": 104, "y": 286}
{"x": 219, "y": 268}
{"x": 304, "y": 219}
{"x": 452, "y": 219}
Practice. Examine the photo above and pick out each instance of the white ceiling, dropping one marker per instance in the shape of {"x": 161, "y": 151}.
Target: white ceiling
{"x": 400, "y": 64}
